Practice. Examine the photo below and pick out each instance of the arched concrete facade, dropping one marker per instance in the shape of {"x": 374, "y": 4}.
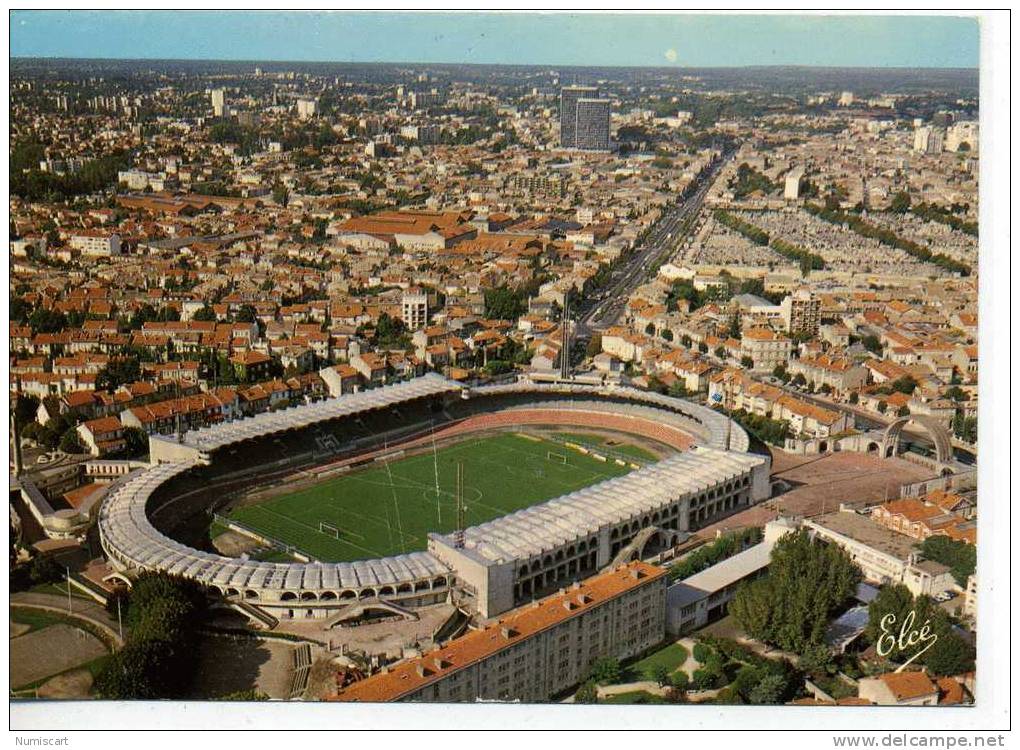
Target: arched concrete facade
{"x": 635, "y": 550}
{"x": 938, "y": 433}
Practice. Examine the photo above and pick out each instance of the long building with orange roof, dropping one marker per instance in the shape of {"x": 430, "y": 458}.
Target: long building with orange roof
{"x": 537, "y": 651}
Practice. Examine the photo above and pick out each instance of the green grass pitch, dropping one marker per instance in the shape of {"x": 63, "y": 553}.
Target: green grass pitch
{"x": 383, "y": 511}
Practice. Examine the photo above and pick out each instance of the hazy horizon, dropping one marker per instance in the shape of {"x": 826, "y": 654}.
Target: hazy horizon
{"x": 640, "y": 40}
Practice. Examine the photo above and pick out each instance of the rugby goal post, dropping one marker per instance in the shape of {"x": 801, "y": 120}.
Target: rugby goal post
{"x": 329, "y": 529}
{"x": 560, "y": 458}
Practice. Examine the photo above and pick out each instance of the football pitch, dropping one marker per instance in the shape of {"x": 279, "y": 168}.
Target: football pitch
{"x": 388, "y": 508}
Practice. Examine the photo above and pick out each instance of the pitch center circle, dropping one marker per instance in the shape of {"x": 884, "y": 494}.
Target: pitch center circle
{"x": 471, "y": 495}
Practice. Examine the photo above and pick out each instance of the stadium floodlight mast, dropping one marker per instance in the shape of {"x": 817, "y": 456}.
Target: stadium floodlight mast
{"x": 393, "y": 491}
{"x": 435, "y": 463}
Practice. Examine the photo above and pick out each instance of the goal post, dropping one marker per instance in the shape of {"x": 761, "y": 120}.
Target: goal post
{"x": 560, "y": 458}
{"x": 329, "y": 529}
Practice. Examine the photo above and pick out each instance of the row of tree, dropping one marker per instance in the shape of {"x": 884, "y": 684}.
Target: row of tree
{"x": 93, "y": 176}
{"x": 708, "y": 555}
{"x": 807, "y": 260}
{"x": 764, "y": 428}
{"x": 887, "y": 237}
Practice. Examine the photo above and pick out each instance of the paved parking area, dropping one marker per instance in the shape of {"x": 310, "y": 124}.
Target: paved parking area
{"x": 818, "y": 484}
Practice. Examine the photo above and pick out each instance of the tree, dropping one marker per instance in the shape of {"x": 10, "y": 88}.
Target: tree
{"x": 883, "y": 407}
{"x": 205, "y": 314}
{"x": 249, "y": 695}
{"x": 20, "y": 310}
{"x": 746, "y": 362}
{"x": 70, "y": 442}
{"x": 903, "y": 411}
{"x": 163, "y": 616}
{"x": 246, "y": 314}
{"x": 702, "y": 652}
{"x": 594, "y": 347}
{"x": 667, "y": 334}
{"x": 25, "y": 409}
{"x": 650, "y": 329}
{"x": 735, "y": 329}
{"x": 680, "y": 681}
{"x": 47, "y": 321}
{"x": 799, "y": 379}
{"x": 605, "y": 671}
{"x": 949, "y": 654}
{"x": 769, "y": 691}
{"x": 872, "y": 343}
{"x": 678, "y": 390}
{"x": 136, "y": 442}
{"x": 45, "y": 570}
{"x": 587, "y": 693}
{"x": 720, "y": 352}
{"x": 118, "y": 372}
{"x": 959, "y": 556}
{"x": 503, "y": 303}
{"x": 702, "y": 347}
{"x": 905, "y": 384}
{"x": 900, "y": 203}
{"x": 811, "y": 579}
{"x": 661, "y": 673}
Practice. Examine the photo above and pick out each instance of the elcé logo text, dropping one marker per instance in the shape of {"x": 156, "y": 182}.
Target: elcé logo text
{"x": 907, "y": 638}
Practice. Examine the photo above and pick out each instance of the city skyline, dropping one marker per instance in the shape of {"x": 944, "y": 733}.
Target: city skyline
{"x": 632, "y": 40}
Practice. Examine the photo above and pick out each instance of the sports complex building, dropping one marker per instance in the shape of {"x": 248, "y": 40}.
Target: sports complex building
{"x": 148, "y": 521}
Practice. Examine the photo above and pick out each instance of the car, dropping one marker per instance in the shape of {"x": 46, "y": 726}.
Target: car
{"x": 945, "y": 596}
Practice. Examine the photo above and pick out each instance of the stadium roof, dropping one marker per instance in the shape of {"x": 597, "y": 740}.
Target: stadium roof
{"x": 129, "y": 535}
{"x": 543, "y": 528}
{"x": 207, "y": 439}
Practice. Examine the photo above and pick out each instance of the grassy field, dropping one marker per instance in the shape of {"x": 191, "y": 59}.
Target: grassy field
{"x": 384, "y": 510}
{"x": 671, "y": 657}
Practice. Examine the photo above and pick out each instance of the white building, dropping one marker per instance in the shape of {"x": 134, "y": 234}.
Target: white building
{"x": 791, "y": 188}
{"x": 884, "y": 556}
{"x": 693, "y": 602}
{"x": 414, "y": 308}
{"x": 965, "y": 132}
{"x": 307, "y": 108}
{"x": 219, "y": 101}
{"x": 96, "y": 244}
{"x": 929, "y": 140}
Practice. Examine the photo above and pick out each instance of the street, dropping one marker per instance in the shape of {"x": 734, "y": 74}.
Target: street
{"x": 605, "y": 309}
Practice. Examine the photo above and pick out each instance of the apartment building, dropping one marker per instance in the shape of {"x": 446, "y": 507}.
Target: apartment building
{"x": 414, "y": 308}
{"x": 766, "y": 348}
{"x": 883, "y": 555}
{"x": 839, "y": 373}
{"x": 340, "y": 379}
{"x": 801, "y": 312}
{"x": 96, "y": 244}
{"x": 102, "y": 436}
{"x": 538, "y": 651}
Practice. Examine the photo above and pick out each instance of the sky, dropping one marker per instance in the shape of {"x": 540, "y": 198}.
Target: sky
{"x": 504, "y": 38}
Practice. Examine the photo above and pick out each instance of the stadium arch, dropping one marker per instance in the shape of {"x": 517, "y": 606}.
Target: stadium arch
{"x": 938, "y": 433}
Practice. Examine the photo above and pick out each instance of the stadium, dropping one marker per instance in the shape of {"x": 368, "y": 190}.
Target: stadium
{"x": 426, "y": 491}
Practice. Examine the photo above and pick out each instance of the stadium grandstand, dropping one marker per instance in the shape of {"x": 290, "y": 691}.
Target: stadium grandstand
{"x": 149, "y": 521}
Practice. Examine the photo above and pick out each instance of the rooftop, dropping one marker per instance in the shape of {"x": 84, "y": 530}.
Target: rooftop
{"x": 863, "y": 530}
{"x": 526, "y": 622}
